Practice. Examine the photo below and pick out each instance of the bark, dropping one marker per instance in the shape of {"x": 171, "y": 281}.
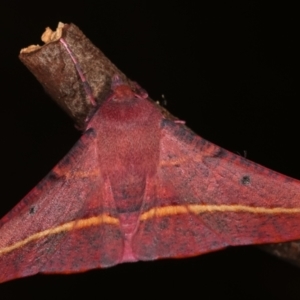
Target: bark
{"x": 289, "y": 252}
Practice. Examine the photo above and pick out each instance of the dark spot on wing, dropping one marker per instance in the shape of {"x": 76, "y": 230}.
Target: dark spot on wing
{"x": 245, "y": 180}
{"x": 164, "y": 122}
{"x": 53, "y": 176}
{"x": 66, "y": 161}
{"x": 32, "y": 210}
{"x": 91, "y": 132}
{"x": 220, "y": 153}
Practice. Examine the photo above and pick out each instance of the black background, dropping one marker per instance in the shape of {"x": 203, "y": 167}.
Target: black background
{"x": 227, "y": 69}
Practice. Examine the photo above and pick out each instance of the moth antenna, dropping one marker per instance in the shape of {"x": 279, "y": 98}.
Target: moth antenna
{"x": 86, "y": 85}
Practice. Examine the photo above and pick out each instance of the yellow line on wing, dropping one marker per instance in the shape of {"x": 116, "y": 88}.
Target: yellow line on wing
{"x": 180, "y": 160}
{"x": 199, "y": 208}
{"x": 77, "y": 224}
{"x": 75, "y": 175}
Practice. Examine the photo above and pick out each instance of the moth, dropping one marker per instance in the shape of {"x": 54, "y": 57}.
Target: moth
{"x": 139, "y": 186}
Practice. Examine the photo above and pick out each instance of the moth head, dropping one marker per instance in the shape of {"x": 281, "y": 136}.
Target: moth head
{"x": 121, "y": 91}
